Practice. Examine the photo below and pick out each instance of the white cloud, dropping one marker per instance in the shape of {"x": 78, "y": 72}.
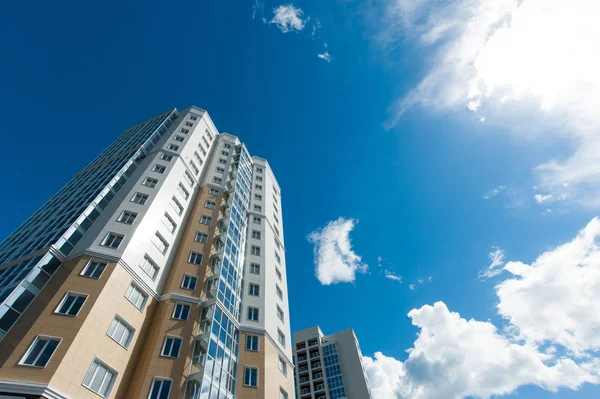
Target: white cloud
{"x": 325, "y": 56}
{"x": 392, "y": 276}
{"x": 258, "y": 6}
{"x": 420, "y": 281}
{"x": 539, "y": 198}
{"x": 411, "y": 287}
{"x": 539, "y": 83}
{"x": 315, "y": 27}
{"x": 493, "y": 192}
{"x": 495, "y": 268}
{"x": 335, "y": 261}
{"x": 550, "y": 338}
{"x": 288, "y": 18}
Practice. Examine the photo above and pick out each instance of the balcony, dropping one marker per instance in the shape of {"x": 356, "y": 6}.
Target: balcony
{"x": 319, "y": 387}
{"x": 313, "y": 343}
{"x": 314, "y": 355}
{"x": 317, "y": 376}
{"x": 315, "y": 365}
{"x": 304, "y": 380}
{"x": 303, "y": 369}
{"x": 302, "y": 359}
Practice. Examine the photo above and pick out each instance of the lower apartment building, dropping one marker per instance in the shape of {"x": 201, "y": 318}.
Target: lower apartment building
{"x": 329, "y": 367}
{"x": 157, "y": 272}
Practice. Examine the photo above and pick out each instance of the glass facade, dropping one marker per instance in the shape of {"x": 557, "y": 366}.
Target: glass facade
{"x": 335, "y": 382}
{"x": 56, "y": 228}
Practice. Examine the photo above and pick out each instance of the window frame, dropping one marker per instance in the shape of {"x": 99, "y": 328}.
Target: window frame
{"x": 87, "y": 266}
{"x": 140, "y": 195}
{"x": 121, "y": 219}
{"x": 208, "y": 204}
{"x": 161, "y": 379}
{"x": 162, "y": 240}
{"x": 143, "y": 295}
{"x": 250, "y": 348}
{"x": 107, "y": 236}
{"x": 191, "y": 278}
{"x": 203, "y": 235}
{"x": 174, "y": 338}
{"x": 127, "y": 325}
{"x": 48, "y": 338}
{"x": 155, "y": 267}
{"x": 64, "y": 299}
{"x": 196, "y": 254}
{"x": 165, "y": 157}
{"x": 106, "y": 366}
{"x": 254, "y": 310}
{"x": 255, "y": 266}
{"x": 253, "y": 289}
{"x": 257, "y": 378}
{"x": 153, "y": 182}
{"x": 208, "y": 218}
{"x": 158, "y": 168}
{"x": 183, "y": 305}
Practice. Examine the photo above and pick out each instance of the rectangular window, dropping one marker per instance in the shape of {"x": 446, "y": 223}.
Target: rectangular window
{"x": 281, "y": 338}
{"x": 256, "y": 234}
{"x": 71, "y": 304}
{"x": 217, "y": 180}
{"x": 179, "y": 138}
{"x": 197, "y": 156}
{"x": 279, "y": 292}
{"x": 252, "y": 314}
{"x": 150, "y": 182}
{"x": 189, "y": 179}
{"x": 201, "y": 237}
{"x": 161, "y": 388}
{"x": 282, "y": 394}
{"x": 278, "y": 258}
{"x": 251, "y": 342}
{"x": 121, "y": 332}
{"x": 210, "y": 136}
{"x": 195, "y": 258}
{"x": 169, "y": 222}
{"x": 220, "y": 169}
{"x": 184, "y": 193}
{"x": 259, "y": 178}
{"x": 188, "y": 124}
{"x": 256, "y": 220}
{"x": 177, "y": 206}
{"x": 259, "y": 170}
{"x": 136, "y": 296}
{"x": 210, "y": 205}
{"x": 100, "y": 378}
{"x": 139, "y": 198}
{"x": 184, "y": 131}
{"x": 255, "y": 250}
{"x": 276, "y": 218}
{"x": 250, "y": 376}
{"x": 225, "y": 153}
{"x": 194, "y": 168}
{"x": 280, "y": 315}
{"x": 276, "y": 231}
{"x": 40, "y": 352}
{"x": 222, "y": 161}
{"x": 206, "y": 142}
{"x": 258, "y": 208}
{"x": 258, "y": 186}
{"x": 282, "y": 365}
{"x": 227, "y": 146}
{"x": 213, "y": 191}
{"x": 149, "y": 267}
{"x": 159, "y": 168}
{"x": 254, "y": 289}
{"x": 277, "y": 244}
{"x": 189, "y": 282}
{"x": 94, "y": 269}
{"x": 202, "y": 150}
{"x": 254, "y": 268}
{"x": 278, "y": 273}
{"x": 181, "y": 311}
{"x": 171, "y": 346}
{"x": 127, "y": 217}
{"x": 160, "y": 243}
{"x": 193, "y": 117}
{"x": 112, "y": 240}
{"x": 165, "y": 157}
{"x": 258, "y": 197}
{"x": 206, "y": 219}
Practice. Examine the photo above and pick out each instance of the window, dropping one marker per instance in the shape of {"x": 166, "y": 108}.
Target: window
{"x": 254, "y": 268}
{"x": 127, "y": 217}
{"x": 276, "y": 231}
{"x": 256, "y": 234}
{"x": 258, "y": 208}
{"x": 278, "y": 258}
{"x": 282, "y": 394}
{"x": 171, "y": 346}
{"x": 139, "y": 198}
{"x": 217, "y": 180}
{"x": 184, "y": 131}
{"x": 279, "y": 292}
{"x": 160, "y": 243}
{"x": 281, "y": 338}
{"x": 255, "y": 250}
{"x": 112, "y": 240}
{"x": 197, "y": 156}
{"x": 259, "y": 178}
{"x": 258, "y": 186}
{"x": 259, "y": 170}
{"x": 149, "y": 267}
{"x": 277, "y": 244}
{"x": 254, "y": 289}
{"x": 258, "y": 197}
{"x": 280, "y": 313}
{"x": 220, "y": 169}
{"x": 94, "y": 269}
{"x": 159, "y": 168}
{"x": 251, "y": 342}
{"x": 166, "y": 157}
{"x": 136, "y": 296}
{"x": 100, "y": 378}
{"x": 252, "y": 314}
{"x": 276, "y": 218}
{"x": 222, "y": 161}
{"x": 206, "y": 219}
{"x": 121, "y": 332}
{"x": 184, "y": 193}
{"x": 194, "y": 168}
{"x": 282, "y": 365}
{"x": 210, "y": 205}
{"x": 213, "y": 191}
{"x": 150, "y": 182}
{"x": 195, "y": 258}
{"x": 178, "y": 138}
{"x": 275, "y": 210}
{"x": 177, "y": 206}
{"x": 188, "y": 124}
{"x": 227, "y": 146}
{"x": 202, "y": 150}
{"x": 40, "y": 352}
{"x": 206, "y": 142}
{"x": 225, "y": 153}
{"x": 250, "y": 376}
{"x": 181, "y": 311}
{"x": 71, "y": 304}
{"x": 189, "y": 282}
{"x": 161, "y": 388}
{"x": 169, "y": 222}
{"x": 256, "y": 220}
{"x": 278, "y": 273}
{"x": 193, "y": 117}
{"x": 201, "y": 237}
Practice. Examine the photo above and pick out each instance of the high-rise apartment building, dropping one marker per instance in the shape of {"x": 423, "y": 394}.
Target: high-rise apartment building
{"x": 329, "y": 367}
{"x": 157, "y": 272}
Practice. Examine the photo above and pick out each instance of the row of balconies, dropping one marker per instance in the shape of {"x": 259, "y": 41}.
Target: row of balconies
{"x": 307, "y": 391}
{"x": 311, "y": 343}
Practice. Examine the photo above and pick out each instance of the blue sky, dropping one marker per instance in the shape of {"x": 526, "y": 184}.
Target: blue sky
{"x": 439, "y": 133}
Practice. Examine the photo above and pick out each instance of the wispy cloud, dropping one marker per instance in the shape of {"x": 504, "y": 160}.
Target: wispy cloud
{"x": 288, "y": 18}
{"x": 325, "y": 56}
{"x": 411, "y": 287}
{"x": 392, "y": 276}
{"x": 258, "y": 6}
{"x": 539, "y": 198}
{"x": 496, "y": 255}
{"x": 335, "y": 261}
{"x": 493, "y": 192}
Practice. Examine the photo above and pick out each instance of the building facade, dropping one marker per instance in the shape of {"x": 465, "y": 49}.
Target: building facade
{"x": 157, "y": 272}
{"x": 329, "y": 367}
